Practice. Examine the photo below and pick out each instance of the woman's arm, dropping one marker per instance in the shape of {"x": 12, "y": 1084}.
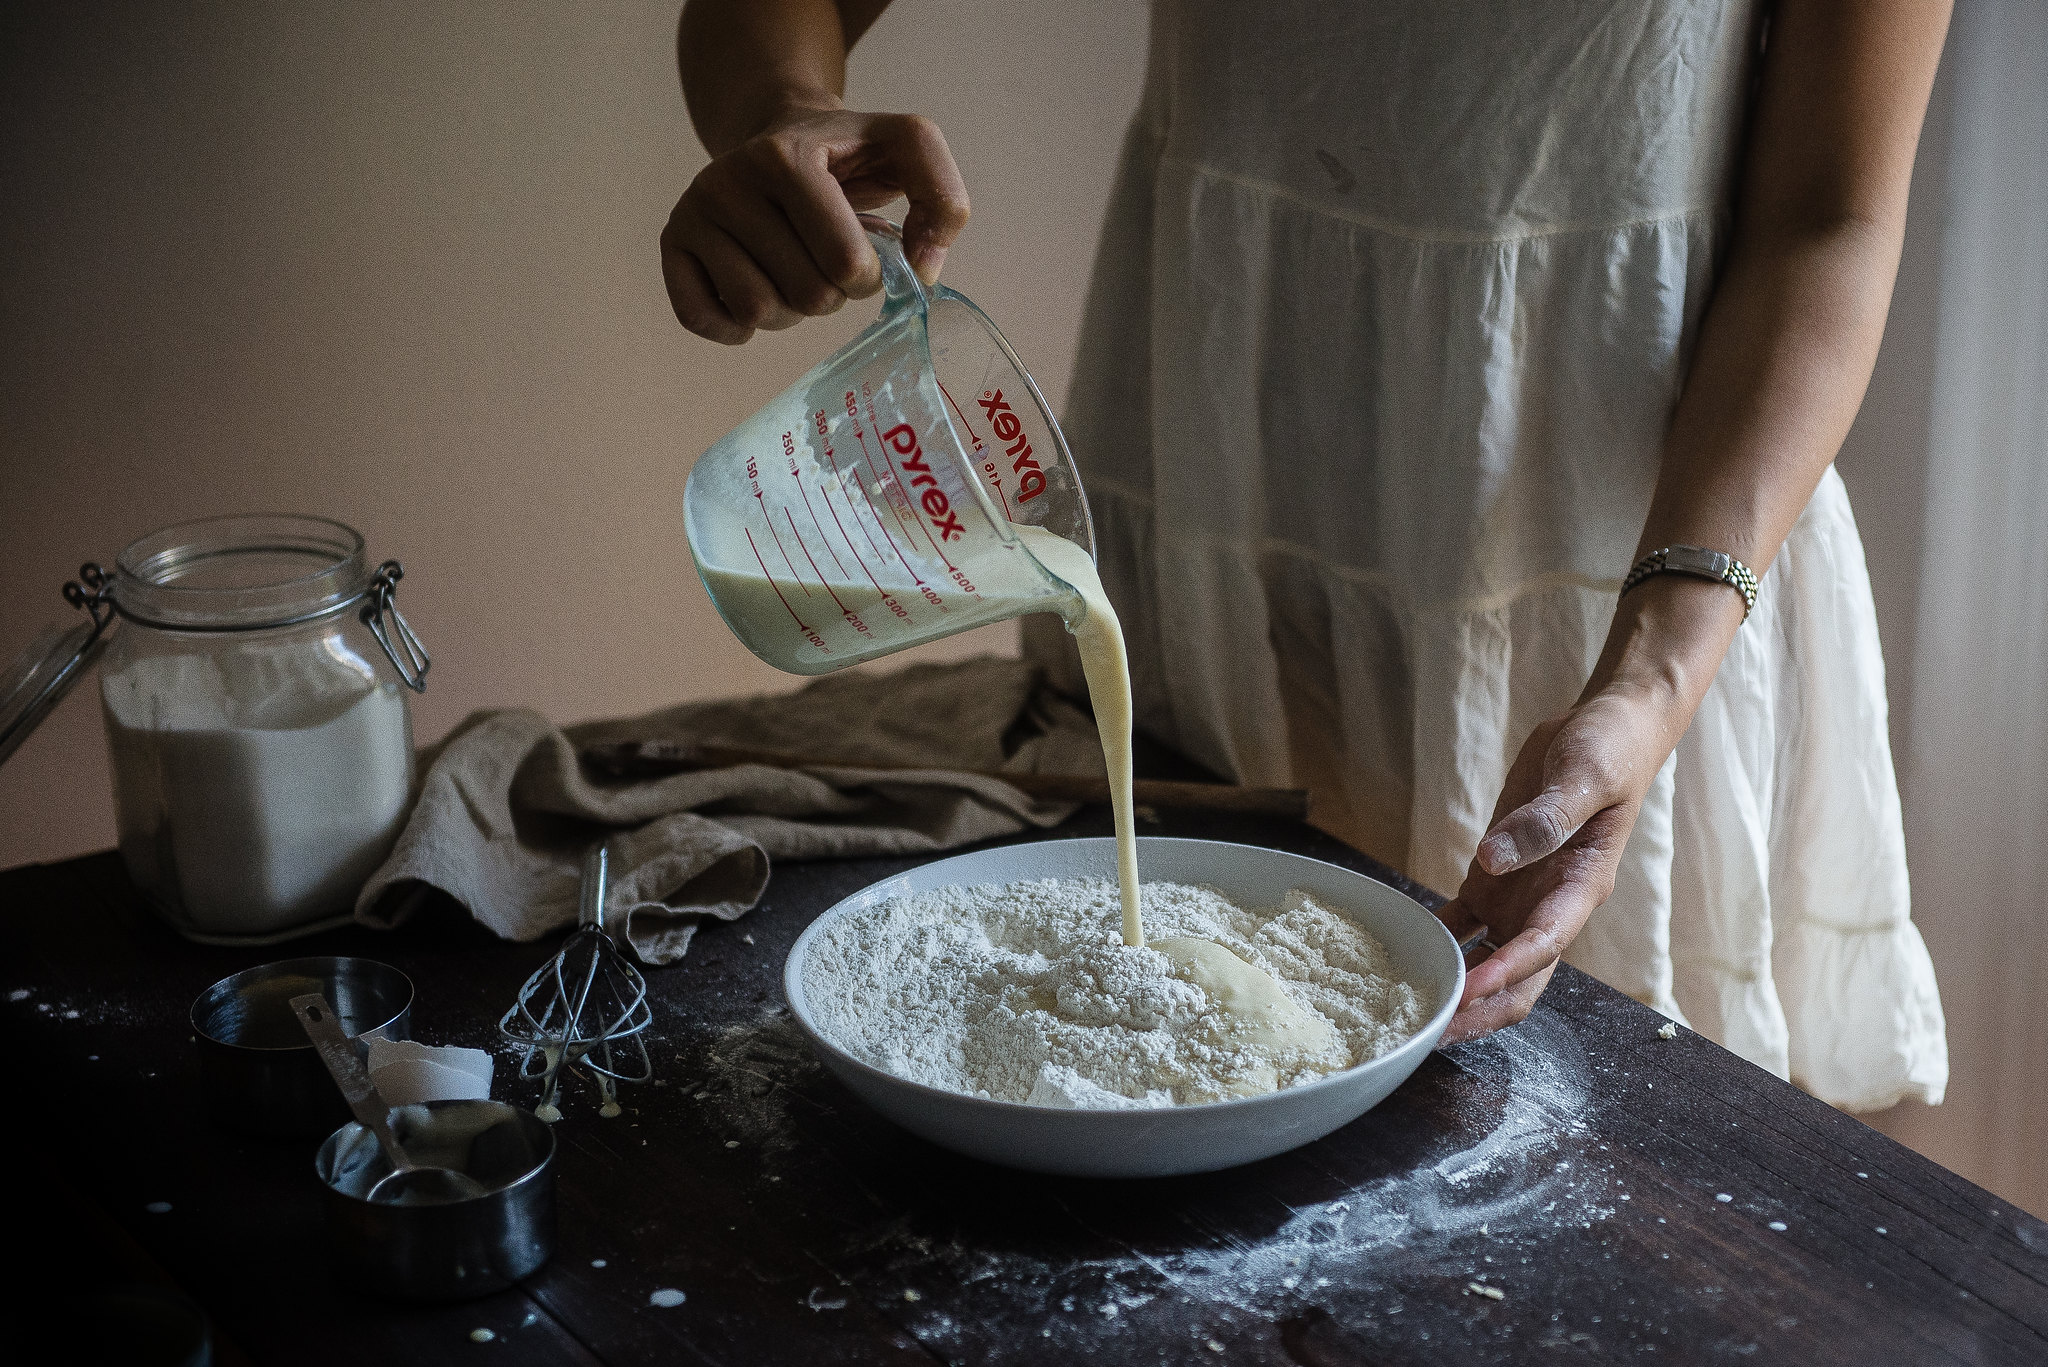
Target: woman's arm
{"x": 1784, "y": 354}
{"x": 766, "y": 234}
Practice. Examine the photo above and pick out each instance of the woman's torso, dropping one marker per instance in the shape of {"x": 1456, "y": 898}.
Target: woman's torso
{"x": 1424, "y": 277}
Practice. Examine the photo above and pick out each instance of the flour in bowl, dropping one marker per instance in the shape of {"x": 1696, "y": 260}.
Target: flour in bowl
{"x": 1025, "y": 992}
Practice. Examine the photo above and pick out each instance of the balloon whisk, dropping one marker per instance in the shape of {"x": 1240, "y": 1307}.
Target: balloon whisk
{"x": 585, "y": 1008}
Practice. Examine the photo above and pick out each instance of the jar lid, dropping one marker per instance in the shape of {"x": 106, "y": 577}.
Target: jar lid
{"x": 40, "y": 677}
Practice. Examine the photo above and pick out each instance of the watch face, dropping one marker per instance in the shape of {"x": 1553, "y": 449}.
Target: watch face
{"x": 1697, "y": 560}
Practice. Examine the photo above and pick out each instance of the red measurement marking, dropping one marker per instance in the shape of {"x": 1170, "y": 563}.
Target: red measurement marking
{"x": 858, "y": 561}
{"x": 868, "y": 502}
{"x": 808, "y": 556}
{"x": 778, "y": 592}
{"x": 849, "y": 541}
{"x": 979, "y": 449}
{"x": 926, "y": 590}
{"x": 930, "y": 594}
{"x": 785, "y": 553}
{"x": 840, "y": 475}
{"x": 852, "y": 546}
{"x": 829, "y": 550}
{"x": 856, "y": 515}
{"x": 888, "y": 599}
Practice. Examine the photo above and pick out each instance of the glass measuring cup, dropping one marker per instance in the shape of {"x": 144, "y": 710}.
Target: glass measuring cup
{"x": 870, "y": 506}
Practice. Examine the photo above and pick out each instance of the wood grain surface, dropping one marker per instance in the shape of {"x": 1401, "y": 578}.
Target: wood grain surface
{"x": 1629, "y": 1198}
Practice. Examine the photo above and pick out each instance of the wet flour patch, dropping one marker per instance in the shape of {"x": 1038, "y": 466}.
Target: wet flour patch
{"x": 751, "y": 1076}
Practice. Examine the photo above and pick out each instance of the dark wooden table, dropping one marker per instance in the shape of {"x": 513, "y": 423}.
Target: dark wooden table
{"x": 1628, "y": 1197}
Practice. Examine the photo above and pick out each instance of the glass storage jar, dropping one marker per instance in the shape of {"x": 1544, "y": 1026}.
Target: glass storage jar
{"x": 256, "y": 717}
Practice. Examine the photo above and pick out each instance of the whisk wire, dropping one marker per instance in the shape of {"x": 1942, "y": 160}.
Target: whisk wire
{"x": 549, "y": 1022}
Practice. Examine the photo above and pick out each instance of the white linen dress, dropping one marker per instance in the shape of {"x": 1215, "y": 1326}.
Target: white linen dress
{"x": 1392, "y": 307}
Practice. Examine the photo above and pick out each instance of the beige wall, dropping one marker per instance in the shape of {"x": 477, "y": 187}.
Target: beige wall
{"x": 395, "y": 263}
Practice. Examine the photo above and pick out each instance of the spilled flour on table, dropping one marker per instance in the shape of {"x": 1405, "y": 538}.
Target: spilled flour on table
{"x": 1530, "y": 1174}
{"x": 84, "y": 1011}
{"x": 1478, "y": 1213}
{"x": 1471, "y": 1210}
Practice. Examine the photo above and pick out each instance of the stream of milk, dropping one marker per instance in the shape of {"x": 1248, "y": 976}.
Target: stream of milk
{"x": 1261, "y": 1012}
{"x": 1100, "y": 637}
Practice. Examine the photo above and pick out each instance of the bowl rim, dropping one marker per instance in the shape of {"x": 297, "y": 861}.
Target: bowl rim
{"x": 1425, "y": 1038}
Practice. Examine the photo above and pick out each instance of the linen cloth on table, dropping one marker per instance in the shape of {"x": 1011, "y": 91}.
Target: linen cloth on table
{"x": 1392, "y": 307}
{"x": 507, "y": 807}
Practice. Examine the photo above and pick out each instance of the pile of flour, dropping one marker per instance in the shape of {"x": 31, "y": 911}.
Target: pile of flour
{"x": 1026, "y": 992}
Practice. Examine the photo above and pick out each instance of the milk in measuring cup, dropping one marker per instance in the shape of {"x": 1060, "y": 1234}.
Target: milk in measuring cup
{"x": 840, "y": 536}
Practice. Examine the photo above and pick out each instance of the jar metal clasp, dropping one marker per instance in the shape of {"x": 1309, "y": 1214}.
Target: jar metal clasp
{"x": 55, "y": 661}
{"x": 93, "y": 594}
{"x": 401, "y": 646}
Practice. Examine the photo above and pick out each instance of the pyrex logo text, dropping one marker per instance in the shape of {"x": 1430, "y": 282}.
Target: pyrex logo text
{"x": 1003, "y": 420}
{"x": 902, "y": 439}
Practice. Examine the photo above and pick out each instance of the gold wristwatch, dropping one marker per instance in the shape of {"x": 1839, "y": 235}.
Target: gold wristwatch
{"x": 1701, "y": 563}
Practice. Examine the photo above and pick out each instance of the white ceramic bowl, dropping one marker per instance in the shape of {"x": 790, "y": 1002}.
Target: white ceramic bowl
{"x": 1168, "y": 1140}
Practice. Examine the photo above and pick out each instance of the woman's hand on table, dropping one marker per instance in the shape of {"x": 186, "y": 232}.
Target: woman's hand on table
{"x": 1573, "y": 793}
{"x": 766, "y": 235}
{"x": 1549, "y": 858}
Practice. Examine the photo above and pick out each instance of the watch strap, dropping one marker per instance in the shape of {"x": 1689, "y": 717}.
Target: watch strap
{"x": 1701, "y": 563}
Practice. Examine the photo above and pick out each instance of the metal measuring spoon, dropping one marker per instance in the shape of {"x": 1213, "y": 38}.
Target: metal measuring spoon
{"x": 408, "y": 1183}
